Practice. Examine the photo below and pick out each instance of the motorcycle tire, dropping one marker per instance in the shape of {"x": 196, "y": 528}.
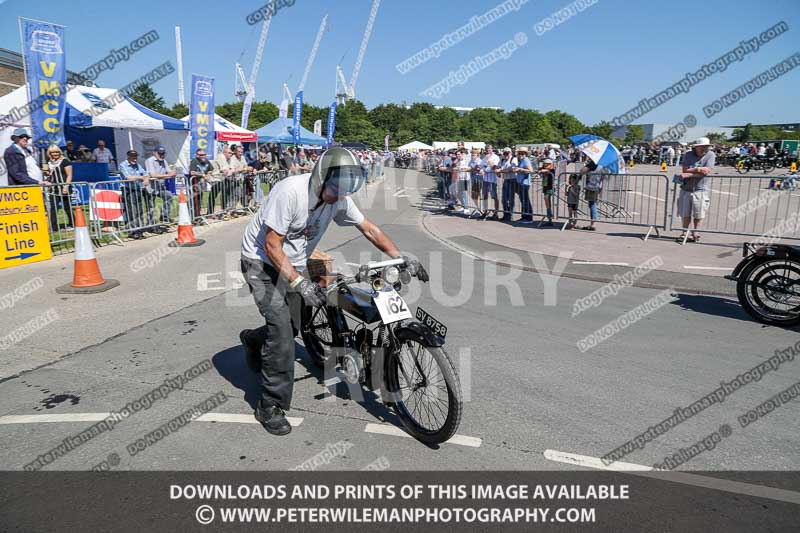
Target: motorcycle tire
{"x": 754, "y": 294}
{"x": 317, "y": 335}
{"x": 397, "y": 369}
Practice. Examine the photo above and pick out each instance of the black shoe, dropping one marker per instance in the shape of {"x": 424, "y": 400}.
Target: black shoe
{"x": 252, "y": 354}
{"x": 273, "y": 419}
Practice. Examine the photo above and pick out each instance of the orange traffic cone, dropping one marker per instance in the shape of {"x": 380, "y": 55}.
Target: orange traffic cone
{"x": 87, "y": 279}
{"x": 185, "y": 232}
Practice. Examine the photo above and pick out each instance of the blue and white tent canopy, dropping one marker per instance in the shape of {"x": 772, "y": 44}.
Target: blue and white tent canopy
{"x": 89, "y": 107}
{"x": 599, "y": 150}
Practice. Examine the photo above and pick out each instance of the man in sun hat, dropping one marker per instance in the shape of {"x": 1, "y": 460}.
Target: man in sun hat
{"x": 20, "y": 164}
{"x": 694, "y": 198}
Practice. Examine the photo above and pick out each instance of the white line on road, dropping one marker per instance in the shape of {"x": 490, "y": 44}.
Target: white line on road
{"x": 45, "y": 419}
{"x": 723, "y": 192}
{"x": 598, "y": 263}
{"x": 401, "y": 191}
{"x": 385, "y": 429}
{"x": 689, "y": 267}
{"x": 645, "y": 195}
{"x": 736, "y": 487}
{"x": 97, "y": 417}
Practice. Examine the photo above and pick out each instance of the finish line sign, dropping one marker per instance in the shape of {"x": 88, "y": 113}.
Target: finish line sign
{"x": 23, "y": 227}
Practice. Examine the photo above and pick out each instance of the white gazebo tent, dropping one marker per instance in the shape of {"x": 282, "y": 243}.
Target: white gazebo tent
{"x": 134, "y": 126}
{"x": 415, "y": 146}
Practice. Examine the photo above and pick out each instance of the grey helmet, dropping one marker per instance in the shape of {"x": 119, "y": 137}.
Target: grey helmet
{"x": 341, "y": 168}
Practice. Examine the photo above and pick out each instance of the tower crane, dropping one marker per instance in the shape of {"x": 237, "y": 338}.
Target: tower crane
{"x": 251, "y": 86}
{"x": 344, "y": 91}
{"x": 240, "y": 87}
{"x": 313, "y": 53}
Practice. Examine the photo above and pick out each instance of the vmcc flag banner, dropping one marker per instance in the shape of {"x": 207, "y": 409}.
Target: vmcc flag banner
{"x": 297, "y": 114}
{"x": 318, "y": 127}
{"x": 201, "y": 118}
{"x": 284, "y": 110}
{"x": 46, "y": 73}
{"x": 331, "y": 122}
{"x": 386, "y": 143}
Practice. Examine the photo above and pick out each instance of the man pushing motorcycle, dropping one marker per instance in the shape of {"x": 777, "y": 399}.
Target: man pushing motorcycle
{"x": 276, "y": 245}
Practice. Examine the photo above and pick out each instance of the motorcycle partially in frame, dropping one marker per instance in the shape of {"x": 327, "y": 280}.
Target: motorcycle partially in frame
{"x": 370, "y": 335}
{"x": 768, "y": 283}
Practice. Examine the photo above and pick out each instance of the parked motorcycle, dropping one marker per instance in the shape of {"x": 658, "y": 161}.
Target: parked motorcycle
{"x": 387, "y": 348}
{"x": 768, "y": 283}
{"x": 748, "y": 163}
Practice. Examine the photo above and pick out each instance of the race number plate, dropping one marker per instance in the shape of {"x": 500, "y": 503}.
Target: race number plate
{"x": 426, "y": 319}
{"x": 391, "y": 305}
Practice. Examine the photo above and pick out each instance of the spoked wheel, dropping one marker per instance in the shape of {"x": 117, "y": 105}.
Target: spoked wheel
{"x": 317, "y": 334}
{"x": 767, "y": 166}
{"x": 770, "y": 292}
{"x": 425, "y": 391}
{"x": 742, "y": 169}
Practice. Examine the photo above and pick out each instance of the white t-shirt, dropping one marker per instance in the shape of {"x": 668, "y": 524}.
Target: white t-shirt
{"x": 287, "y": 211}
{"x": 463, "y": 169}
{"x": 487, "y": 163}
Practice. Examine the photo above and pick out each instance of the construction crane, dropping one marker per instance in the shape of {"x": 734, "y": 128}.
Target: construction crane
{"x": 345, "y": 91}
{"x": 251, "y": 86}
{"x": 313, "y": 53}
{"x": 240, "y": 83}
{"x": 363, "y": 50}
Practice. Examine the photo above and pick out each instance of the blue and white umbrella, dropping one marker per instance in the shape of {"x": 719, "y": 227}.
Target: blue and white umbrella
{"x": 599, "y": 150}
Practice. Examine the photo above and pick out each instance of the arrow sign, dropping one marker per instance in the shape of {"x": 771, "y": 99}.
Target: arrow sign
{"x": 23, "y": 255}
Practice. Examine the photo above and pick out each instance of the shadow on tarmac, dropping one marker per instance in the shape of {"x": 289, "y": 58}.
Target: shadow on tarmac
{"x": 231, "y": 365}
{"x": 723, "y": 307}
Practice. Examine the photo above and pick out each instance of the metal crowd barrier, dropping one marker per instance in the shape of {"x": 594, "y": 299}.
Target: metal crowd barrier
{"x": 747, "y": 205}
{"x": 220, "y": 198}
{"x": 129, "y": 207}
{"x": 628, "y": 199}
{"x": 60, "y": 202}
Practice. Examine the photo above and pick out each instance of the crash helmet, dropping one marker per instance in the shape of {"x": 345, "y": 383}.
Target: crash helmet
{"x": 338, "y": 168}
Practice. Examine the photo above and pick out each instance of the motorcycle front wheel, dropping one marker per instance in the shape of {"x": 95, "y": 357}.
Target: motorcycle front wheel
{"x": 424, "y": 391}
{"x": 769, "y": 291}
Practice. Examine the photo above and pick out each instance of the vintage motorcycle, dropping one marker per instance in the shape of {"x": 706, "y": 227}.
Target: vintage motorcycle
{"x": 768, "y": 283}
{"x": 387, "y": 348}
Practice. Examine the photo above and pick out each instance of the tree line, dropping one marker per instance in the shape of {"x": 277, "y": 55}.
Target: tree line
{"x": 424, "y": 122}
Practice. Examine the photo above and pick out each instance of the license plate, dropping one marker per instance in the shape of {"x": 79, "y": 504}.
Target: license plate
{"x": 426, "y": 319}
{"x": 391, "y": 306}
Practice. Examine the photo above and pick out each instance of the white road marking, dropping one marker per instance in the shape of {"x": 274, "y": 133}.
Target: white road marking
{"x": 233, "y": 418}
{"x": 47, "y": 419}
{"x": 723, "y": 192}
{"x": 401, "y": 191}
{"x": 97, "y": 417}
{"x": 386, "y": 429}
{"x": 736, "y": 487}
{"x": 689, "y": 267}
{"x": 598, "y": 263}
{"x": 637, "y": 193}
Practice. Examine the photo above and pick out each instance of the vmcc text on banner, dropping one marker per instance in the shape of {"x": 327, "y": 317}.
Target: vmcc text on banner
{"x": 201, "y": 118}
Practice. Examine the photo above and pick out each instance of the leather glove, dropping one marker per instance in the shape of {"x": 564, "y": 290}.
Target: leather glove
{"x": 312, "y": 293}
{"x": 415, "y": 268}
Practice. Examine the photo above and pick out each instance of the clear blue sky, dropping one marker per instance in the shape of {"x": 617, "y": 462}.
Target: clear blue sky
{"x": 596, "y": 65}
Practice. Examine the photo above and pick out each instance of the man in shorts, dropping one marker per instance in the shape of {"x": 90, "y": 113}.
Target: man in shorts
{"x": 694, "y": 199}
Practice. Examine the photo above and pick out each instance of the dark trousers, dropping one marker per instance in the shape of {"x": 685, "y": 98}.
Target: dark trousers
{"x": 524, "y": 192}
{"x": 196, "y": 188}
{"x": 509, "y": 190}
{"x": 281, "y": 309}
{"x": 133, "y": 205}
{"x": 216, "y": 188}
{"x": 55, "y": 196}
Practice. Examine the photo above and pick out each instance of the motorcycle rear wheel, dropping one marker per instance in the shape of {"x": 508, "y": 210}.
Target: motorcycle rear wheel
{"x": 317, "y": 334}
{"x": 757, "y": 294}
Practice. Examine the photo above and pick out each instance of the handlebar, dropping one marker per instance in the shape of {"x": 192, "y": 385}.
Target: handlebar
{"x": 363, "y": 272}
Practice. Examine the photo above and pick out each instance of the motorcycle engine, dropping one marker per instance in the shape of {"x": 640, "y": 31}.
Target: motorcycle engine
{"x": 352, "y": 365}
